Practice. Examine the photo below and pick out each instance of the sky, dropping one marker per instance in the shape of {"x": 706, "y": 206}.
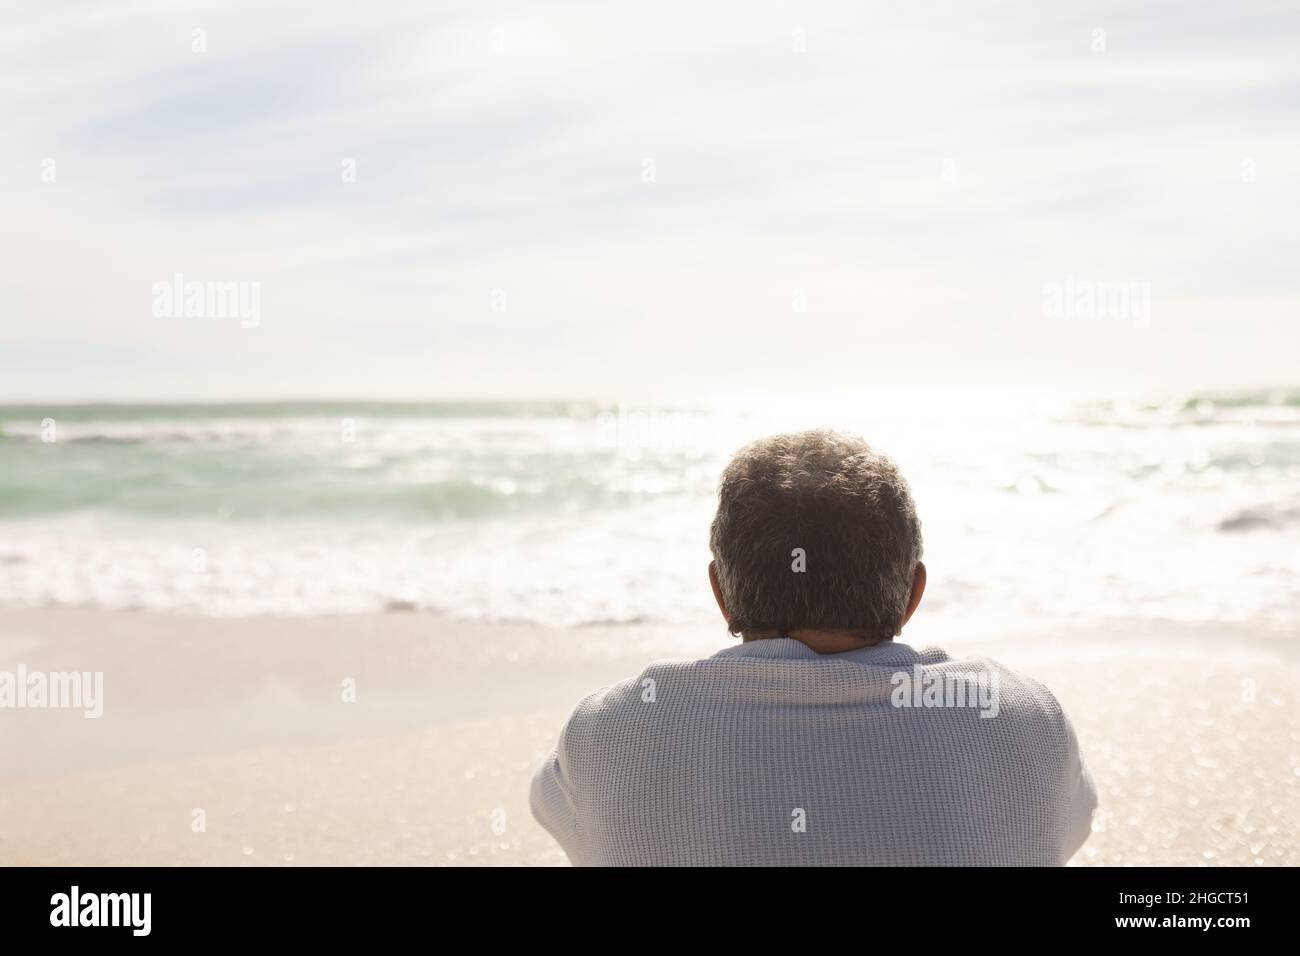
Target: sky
{"x": 586, "y": 199}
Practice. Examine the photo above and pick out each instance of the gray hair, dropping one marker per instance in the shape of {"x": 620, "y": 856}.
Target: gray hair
{"x": 850, "y": 511}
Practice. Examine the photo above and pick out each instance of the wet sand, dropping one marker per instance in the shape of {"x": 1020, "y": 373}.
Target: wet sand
{"x": 241, "y": 725}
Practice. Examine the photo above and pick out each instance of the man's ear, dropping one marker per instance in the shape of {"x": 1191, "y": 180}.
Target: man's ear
{"x": 717, "y": 590}
{"x": 918, "y": 589}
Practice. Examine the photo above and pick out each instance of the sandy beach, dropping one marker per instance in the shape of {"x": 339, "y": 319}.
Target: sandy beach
{"x": 1192, "y": 734}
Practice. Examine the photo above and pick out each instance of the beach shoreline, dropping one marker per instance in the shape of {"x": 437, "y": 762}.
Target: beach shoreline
{"x": 1191, "y": 732}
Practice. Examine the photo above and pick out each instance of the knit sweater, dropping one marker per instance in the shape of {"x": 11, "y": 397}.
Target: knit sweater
{"x": 768, "y": 753}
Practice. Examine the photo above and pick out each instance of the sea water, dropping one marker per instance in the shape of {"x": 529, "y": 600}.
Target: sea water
{"x": 1174, "y": 506}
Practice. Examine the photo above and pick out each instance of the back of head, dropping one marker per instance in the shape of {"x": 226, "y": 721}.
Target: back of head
{"x": 815, "y": 530}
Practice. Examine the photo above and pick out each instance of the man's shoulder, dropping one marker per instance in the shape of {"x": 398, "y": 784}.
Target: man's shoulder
{"x": 1027, "y": 689}
{"x": 687, "y": 688}
{"x": 643, "y": 688}
{"x": 1018, "y": 692}
{"x": 631, "y": 699}
{"x": 1007, "y": 675}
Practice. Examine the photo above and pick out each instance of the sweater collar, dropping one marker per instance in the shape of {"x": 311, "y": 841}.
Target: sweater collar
{"x": 787, "y": 648}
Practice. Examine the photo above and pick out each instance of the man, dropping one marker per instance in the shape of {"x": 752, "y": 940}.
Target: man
{"x": 819, "y": 739}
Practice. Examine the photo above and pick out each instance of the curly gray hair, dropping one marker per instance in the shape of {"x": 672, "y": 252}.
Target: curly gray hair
{"x": 850, "y": 511}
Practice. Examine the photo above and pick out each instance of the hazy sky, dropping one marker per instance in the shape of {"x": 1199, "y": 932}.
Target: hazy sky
{"x": 620, "y": 199}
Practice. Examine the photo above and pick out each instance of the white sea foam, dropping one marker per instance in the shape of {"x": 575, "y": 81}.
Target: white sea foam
{"x": 568, "y": 515}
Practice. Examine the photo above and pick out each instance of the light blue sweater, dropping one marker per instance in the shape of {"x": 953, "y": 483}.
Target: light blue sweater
{"x": 768, "y": 753}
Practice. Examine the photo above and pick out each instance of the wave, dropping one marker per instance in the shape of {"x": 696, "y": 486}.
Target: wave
{"x": 1263, "y": 408}
{"x": 333, "y": 408}
{"x": 563, "y": 513}
{"x": 1273, "y": 516}
{"x": 432, "y": 500}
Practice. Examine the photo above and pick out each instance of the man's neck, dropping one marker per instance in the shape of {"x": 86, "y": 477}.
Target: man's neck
{"x": 823, "y": 642}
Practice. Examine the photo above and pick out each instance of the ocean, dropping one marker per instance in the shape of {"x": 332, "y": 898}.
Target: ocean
{"x": 1034, "y": 504}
